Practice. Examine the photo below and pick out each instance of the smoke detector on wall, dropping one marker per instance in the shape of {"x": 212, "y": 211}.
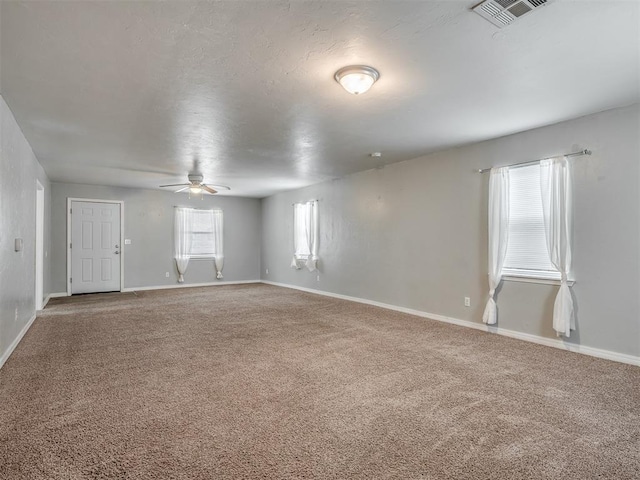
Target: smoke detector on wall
{"x": 504, "y": 12}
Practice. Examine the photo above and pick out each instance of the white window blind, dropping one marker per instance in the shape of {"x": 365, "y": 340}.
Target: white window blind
{"x": 203, "y": 235}
{"x": 301, "y": 221}
{"x": 527, "y": 254}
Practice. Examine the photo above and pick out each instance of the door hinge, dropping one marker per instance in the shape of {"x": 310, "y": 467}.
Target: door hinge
{"x": 71, "y": 210}
{"x": 71, "y": 245}
{"x": 71, "y": 280}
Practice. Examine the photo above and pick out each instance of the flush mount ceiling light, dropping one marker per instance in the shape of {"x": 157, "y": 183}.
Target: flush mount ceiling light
{"x": 357, "y": 79}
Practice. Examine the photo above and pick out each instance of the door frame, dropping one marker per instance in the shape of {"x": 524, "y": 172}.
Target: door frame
{"x": 39, "y": 287}
{"x": 120, "y": 203}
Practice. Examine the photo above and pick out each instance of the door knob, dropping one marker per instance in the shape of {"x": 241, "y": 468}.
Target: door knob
{"x": 117, "y": 246}
{"x": 117, "y": 252}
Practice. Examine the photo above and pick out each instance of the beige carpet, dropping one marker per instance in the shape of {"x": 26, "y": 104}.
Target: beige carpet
{"x": 257, "y": 381}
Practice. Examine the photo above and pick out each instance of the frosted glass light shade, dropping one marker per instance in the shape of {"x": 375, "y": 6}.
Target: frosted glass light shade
{"x": 357, "y": 79}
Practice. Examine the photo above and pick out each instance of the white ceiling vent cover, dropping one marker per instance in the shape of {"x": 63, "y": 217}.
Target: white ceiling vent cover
{"x": 504, "y": 12}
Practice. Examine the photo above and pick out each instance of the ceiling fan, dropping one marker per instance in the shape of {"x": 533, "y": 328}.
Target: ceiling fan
{"x": 196, "y": 186}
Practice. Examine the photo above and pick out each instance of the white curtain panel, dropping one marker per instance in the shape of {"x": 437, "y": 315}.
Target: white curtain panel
{"x": 311, "y": 230}
{"x": 295, "y": 264}
{"x": 498, "y": 235}
{"x": 300, "y": 231}
{"x": 218, "y": 242}
{"x": 298, "y": 225}
{"x": 555, "y": 187}
{"x": 305, "y": 236}
{"x": 182, "y": 240}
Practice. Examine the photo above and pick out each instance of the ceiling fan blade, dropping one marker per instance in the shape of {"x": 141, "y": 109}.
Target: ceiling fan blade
{"x": 176, "y": 185}
{"x": 218, "y": 187}
{"x": 182, "y": 189}
{"x": 208, "y": 189}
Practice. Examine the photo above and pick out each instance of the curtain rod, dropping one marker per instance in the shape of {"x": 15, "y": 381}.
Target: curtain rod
{"x": 574, "y": 154}
{"x": 308, "y": 201}
{"x": 193, "y": 208}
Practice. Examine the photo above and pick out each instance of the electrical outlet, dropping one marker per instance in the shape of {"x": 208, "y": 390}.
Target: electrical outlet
{"x": 317, "y": 278}
{"x": 267, "y": 271}
{"x": 467, "y": 302}
{"x": 166, "y": 274}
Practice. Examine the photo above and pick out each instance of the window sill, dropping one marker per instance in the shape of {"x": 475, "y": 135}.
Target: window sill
{"x": 202, "y": 258}
{"x": 543, "y": 281}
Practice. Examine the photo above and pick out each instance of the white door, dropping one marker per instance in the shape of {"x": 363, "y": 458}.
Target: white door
{"x": 95, "y": 247}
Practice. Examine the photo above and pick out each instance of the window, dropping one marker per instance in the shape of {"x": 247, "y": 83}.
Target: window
{"x": 203, "y": 244}
{"x": 527, "y": 254}
{"x": 305, "y": 235}
{"x": 199, "y": 232}
{"x": 301, "y": 221}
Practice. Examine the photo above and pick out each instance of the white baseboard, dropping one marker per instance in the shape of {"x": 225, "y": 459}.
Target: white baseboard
{"x": 5, "y": 356}
{"x": 57, "y": 295}
{"x": 50, "y": 296}
{"x": 188, "y": 285}
{"x": 163, "y": 287}
{"x": 527, "y": 337}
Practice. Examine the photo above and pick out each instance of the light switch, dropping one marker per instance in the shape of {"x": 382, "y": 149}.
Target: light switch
{"x": 18, "y": 244}
{"x": 127, "y": 241}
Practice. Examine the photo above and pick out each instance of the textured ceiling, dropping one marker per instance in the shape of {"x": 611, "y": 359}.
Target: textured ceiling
{"x": 141, "y": 93}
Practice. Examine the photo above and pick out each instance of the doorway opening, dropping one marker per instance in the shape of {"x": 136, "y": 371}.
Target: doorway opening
{"x": 39, "y": 300}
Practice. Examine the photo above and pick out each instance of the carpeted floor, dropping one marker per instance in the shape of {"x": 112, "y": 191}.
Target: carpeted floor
{"x": 261, "y": 382}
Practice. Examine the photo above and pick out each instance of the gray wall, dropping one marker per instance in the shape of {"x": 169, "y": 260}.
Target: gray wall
{"x": 414, "y": 234}
{"x": 148, "y": 222}
{"x": 19, "y": 170}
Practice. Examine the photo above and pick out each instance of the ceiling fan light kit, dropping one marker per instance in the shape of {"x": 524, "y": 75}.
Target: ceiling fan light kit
{"x": 196, "y": 186}
{"x": 357, "y": 79}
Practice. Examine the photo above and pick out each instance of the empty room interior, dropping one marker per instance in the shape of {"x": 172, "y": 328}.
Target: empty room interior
{"x": 320, "y": 239}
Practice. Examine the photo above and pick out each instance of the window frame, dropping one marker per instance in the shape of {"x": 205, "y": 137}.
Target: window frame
{"x": 538, "y": 280}
{"x": 531, "y": 275}
{"x": 206, "y": 256}
{"x": 309, "y": 206}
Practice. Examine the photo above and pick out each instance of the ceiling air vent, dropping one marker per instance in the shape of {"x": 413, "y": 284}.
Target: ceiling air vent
{"x": 504, "y": 12}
